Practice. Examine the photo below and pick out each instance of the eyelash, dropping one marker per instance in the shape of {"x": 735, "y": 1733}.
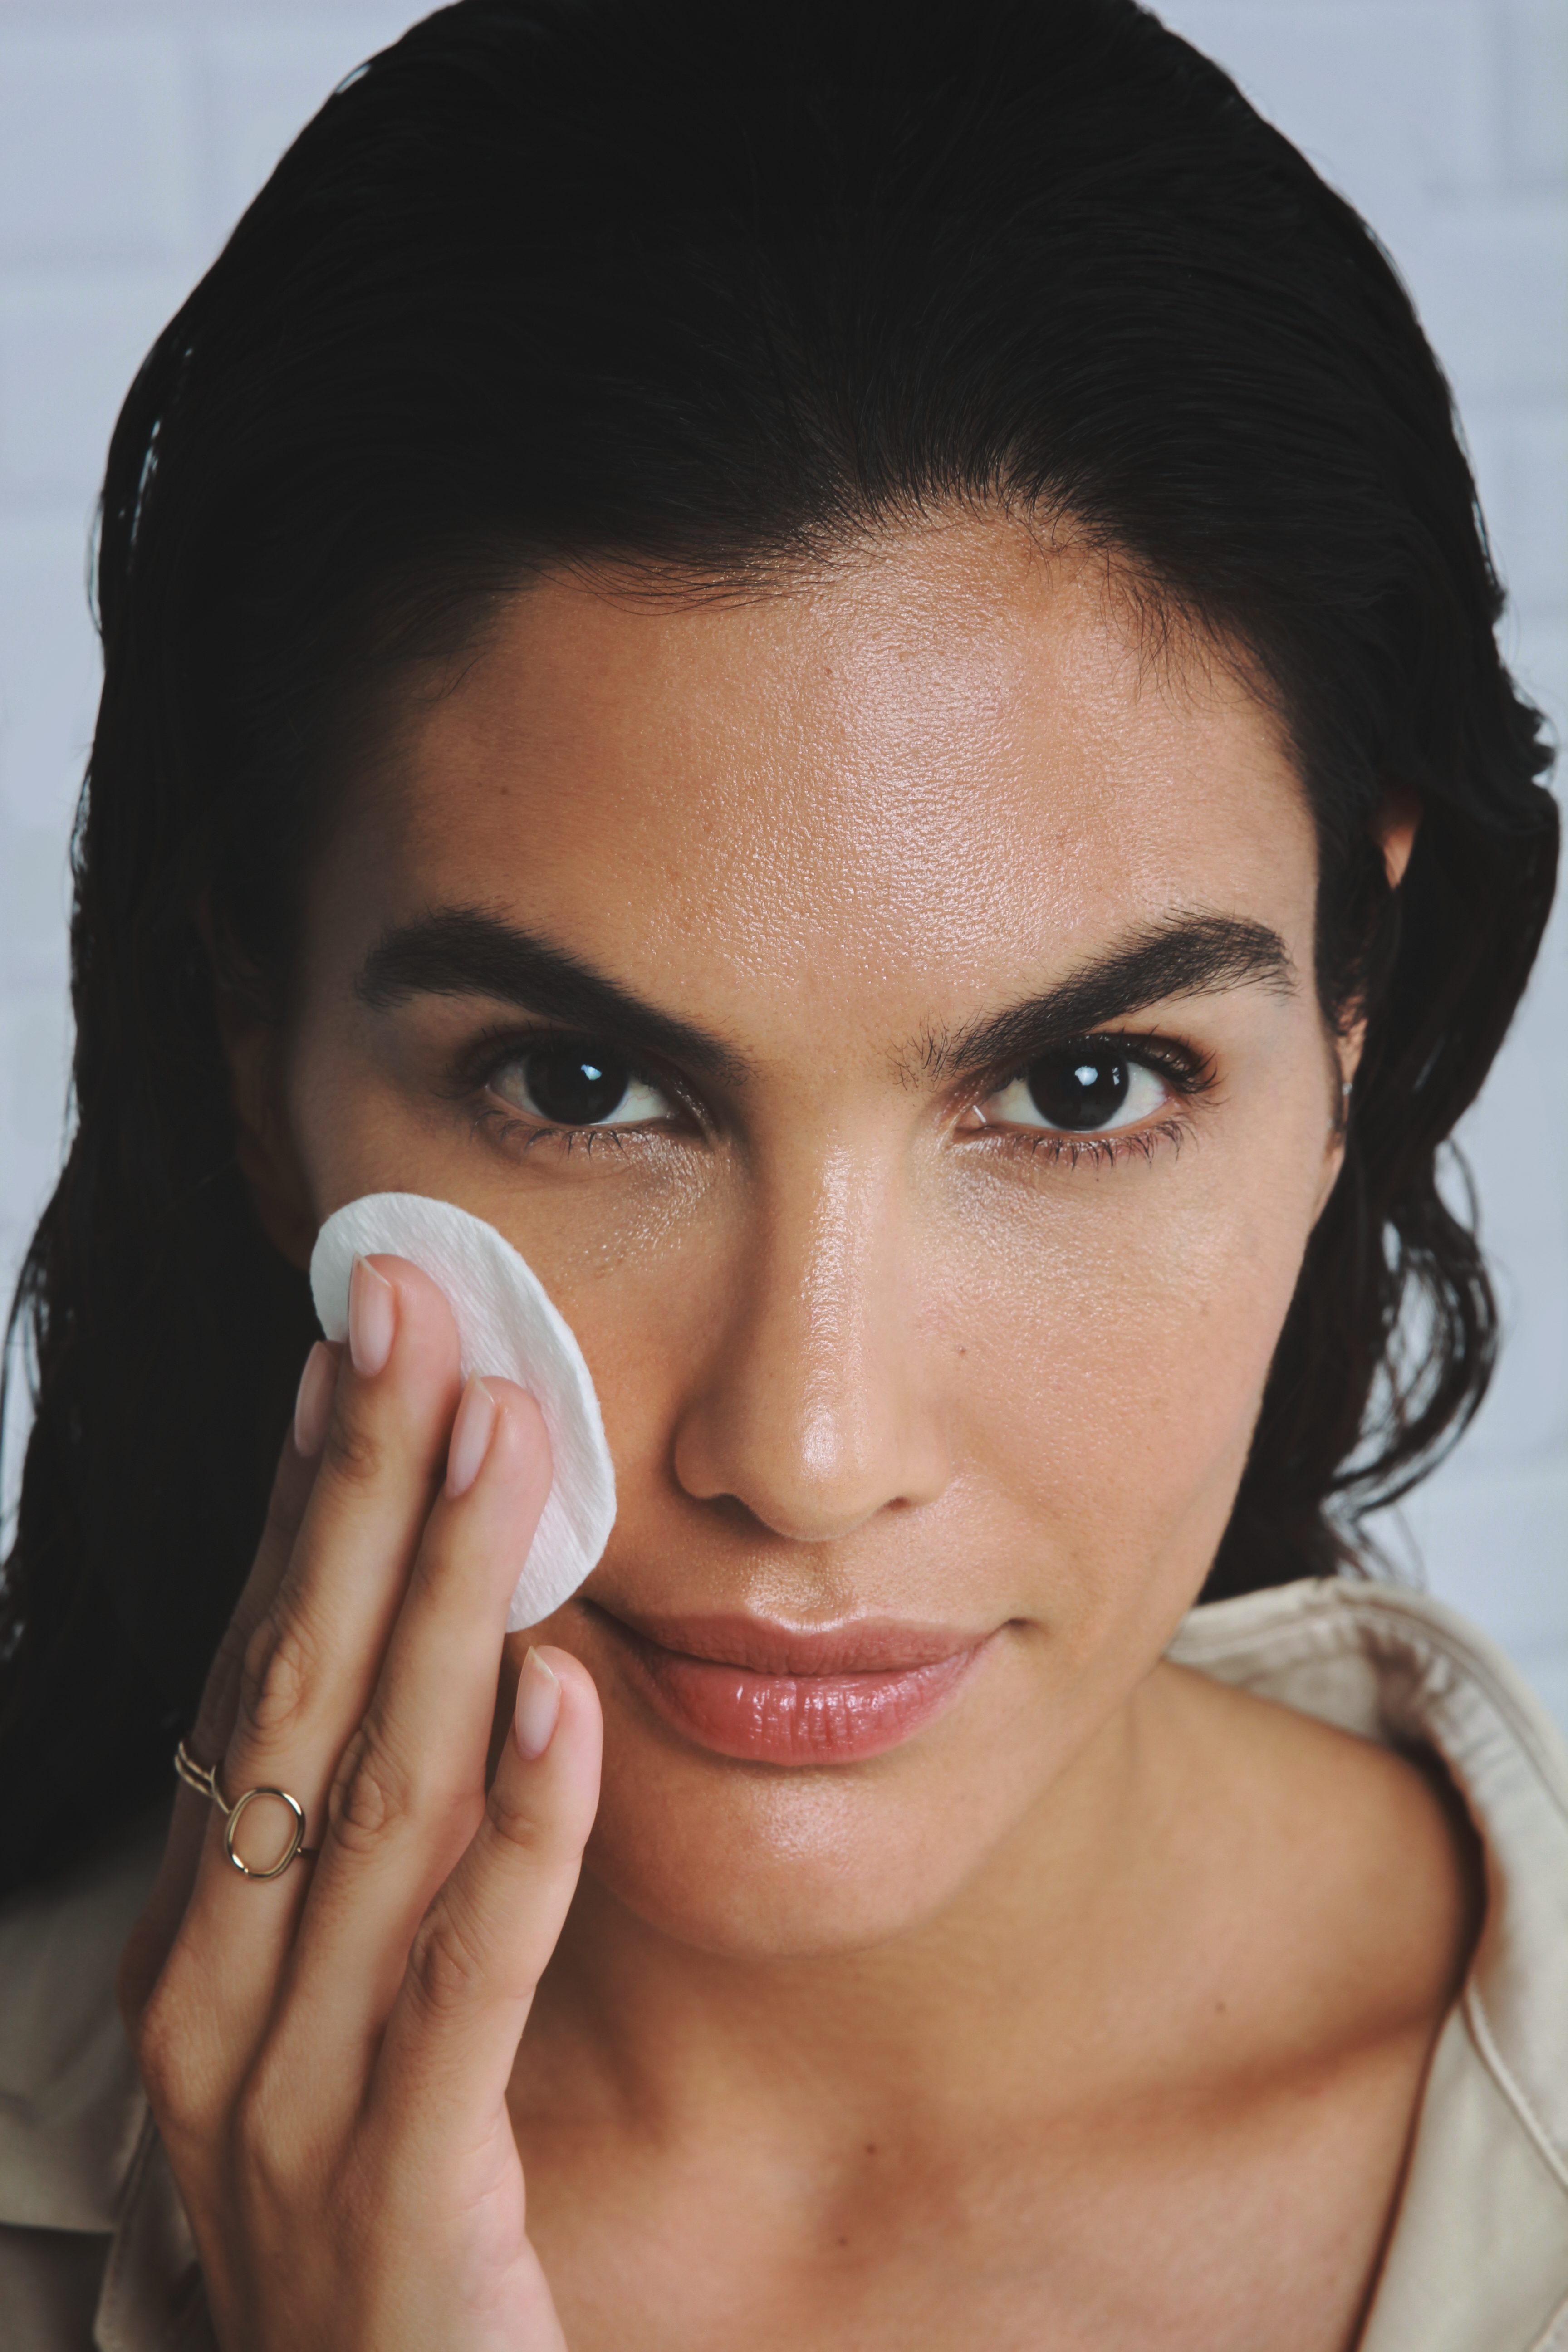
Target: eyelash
{"x": 1188, "y": 1074}
{"x": 491, "y": 1052}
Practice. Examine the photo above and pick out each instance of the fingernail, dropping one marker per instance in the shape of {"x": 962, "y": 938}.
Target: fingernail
{"x": 373, "y": 1318}
{"x": 313, "y": 1405}
{"x": 471, "y": 1434}
{"x": 538, "y": 1706}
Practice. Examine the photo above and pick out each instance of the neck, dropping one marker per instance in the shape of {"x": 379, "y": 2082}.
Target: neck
{"x": 648, "y": 2029}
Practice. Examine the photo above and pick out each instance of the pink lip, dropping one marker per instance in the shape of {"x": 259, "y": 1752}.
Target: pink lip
{"x": 776, "y": 1694}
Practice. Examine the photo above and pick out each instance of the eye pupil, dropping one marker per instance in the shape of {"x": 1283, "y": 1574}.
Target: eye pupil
{"x": 1078, "y": 1089}
{"x": 576, "y": 1089}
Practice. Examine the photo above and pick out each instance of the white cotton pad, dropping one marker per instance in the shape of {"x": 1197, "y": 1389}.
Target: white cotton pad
{"x": 506, "y": 1324}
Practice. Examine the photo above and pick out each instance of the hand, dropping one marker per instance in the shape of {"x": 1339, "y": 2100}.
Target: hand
{"x": 327, "y": 2053}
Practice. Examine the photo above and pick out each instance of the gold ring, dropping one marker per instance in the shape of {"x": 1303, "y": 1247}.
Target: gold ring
{"x": 295, "y": 1847}
{"x": 203, "y": 1778}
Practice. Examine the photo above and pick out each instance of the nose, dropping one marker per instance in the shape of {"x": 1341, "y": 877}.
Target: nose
{"x": 821, "y": 1401}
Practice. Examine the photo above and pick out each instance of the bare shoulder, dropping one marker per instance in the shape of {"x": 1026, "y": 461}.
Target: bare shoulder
{"x": 1359, "y": 1871}
{"x": 1319, "y": 1900}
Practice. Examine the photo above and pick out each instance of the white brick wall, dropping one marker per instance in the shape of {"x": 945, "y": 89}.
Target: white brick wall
{"x": 133, "y": 132}
{"x": 1445, "y": 122}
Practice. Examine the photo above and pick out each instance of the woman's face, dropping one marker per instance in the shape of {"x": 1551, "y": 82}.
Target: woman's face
{"x": 920, "y": 1313}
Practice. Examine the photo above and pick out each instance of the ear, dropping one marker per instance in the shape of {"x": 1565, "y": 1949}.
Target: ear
{"x": 252, "y": 1044}
{"x": 1394, "y": 828}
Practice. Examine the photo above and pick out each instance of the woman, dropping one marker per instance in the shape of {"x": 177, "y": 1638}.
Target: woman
{"x": 841, "y": 672}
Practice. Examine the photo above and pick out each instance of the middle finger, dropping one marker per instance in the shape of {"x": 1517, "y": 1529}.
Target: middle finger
{"x": 411, "y": 1790}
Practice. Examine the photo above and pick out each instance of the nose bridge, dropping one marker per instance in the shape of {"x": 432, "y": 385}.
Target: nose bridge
{"x": 818, "y": 1408}
{"x": 835, "y": 1287}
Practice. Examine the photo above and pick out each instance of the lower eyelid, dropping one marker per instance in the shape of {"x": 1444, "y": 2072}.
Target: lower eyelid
{"x": 1107, "y": 1147}
{"x": 518, "y": 1129}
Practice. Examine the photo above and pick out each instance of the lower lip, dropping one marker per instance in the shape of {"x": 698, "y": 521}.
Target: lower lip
{"x": 801, "y": 1719}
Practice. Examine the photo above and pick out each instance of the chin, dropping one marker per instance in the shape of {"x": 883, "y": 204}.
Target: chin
{"x": 761, "y": 1863}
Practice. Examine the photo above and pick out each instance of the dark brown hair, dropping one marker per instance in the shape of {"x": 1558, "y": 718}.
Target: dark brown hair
{"x": 711, "y": 288}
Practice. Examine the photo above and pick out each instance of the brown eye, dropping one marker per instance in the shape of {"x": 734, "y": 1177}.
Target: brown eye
{"x": 1080, "y": 1090}
{"x": 580, "y": 1086}
{"x": 1092, "y": 1088}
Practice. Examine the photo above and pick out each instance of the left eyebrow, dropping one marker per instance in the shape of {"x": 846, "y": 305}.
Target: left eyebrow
{"x": 1190, "y": 955}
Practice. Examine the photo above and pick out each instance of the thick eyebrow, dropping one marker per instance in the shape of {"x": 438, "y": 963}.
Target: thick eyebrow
{"x": 463, "y": 951}
{"x": 1190, "y": 955}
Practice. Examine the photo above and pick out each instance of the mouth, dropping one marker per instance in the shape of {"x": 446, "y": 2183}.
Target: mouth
{"x": 769, "y": 1694}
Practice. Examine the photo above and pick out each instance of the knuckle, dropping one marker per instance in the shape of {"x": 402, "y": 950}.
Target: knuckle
{"x": 518, "y": 1825}
{"x": 352, "y": 1452}
{"x": 157, "y": 2051}
{"x": 446, "y": 1970}
{"x": 165, "y": 2046}
{"x": 270, "y": 2130}
{"x": 278, "y": 1675}
{"x": 140, "y": 1962}
{"x": 372, "y": 1796}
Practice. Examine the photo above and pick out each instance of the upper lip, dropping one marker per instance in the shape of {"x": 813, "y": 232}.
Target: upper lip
{"x": 759, "y": 1645}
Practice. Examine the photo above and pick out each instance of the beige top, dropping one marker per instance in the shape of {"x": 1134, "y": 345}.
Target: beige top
{"x": 94, "y": 2247}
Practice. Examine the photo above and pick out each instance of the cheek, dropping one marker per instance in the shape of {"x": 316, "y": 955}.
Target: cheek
{"x": 1110, "y": 1334}
{"x": 1115, "y": 1352}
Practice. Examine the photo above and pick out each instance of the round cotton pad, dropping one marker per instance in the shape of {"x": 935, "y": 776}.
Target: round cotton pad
{"x": 506, "y": 1324}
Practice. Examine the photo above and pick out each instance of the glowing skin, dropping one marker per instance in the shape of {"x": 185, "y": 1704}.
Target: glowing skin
{"x": 1085, "y": 1943}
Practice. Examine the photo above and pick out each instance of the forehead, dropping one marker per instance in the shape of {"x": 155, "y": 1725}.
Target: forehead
{"x": 954, "y": 756}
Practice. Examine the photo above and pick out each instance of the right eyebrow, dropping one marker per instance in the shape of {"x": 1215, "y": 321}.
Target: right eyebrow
{"x": 464, "y": 951}
{"x": 1193, "y": 954}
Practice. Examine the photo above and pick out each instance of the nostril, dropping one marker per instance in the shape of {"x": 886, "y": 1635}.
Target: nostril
{"x": 825, "y": 1399}
{"x": 799, "y": 1507}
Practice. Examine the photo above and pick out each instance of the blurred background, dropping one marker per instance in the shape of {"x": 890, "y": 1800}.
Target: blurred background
{"x": 132, "y": 134}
